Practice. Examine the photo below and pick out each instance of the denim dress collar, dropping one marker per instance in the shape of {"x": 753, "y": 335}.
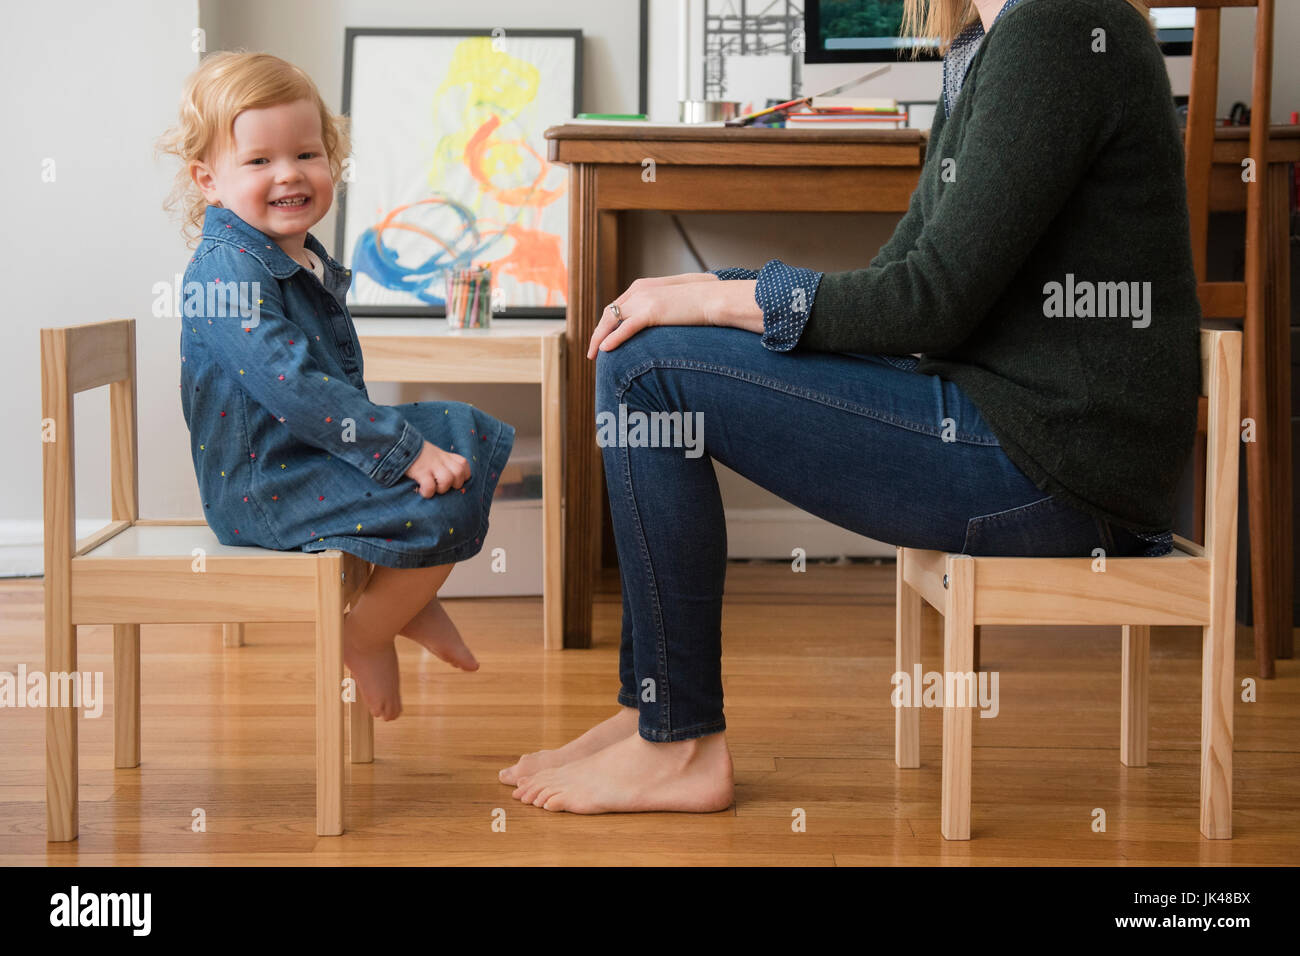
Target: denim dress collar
{"x": 222, "y": 224}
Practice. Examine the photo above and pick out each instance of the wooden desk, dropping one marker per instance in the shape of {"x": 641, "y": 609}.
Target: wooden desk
{"x": 513, "y": 350}
{"x": 716, "y": 169}
{"x": 712, "y": 169}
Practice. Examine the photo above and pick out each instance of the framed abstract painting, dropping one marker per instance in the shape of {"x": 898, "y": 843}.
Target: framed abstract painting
{"x": 448, "y": 166}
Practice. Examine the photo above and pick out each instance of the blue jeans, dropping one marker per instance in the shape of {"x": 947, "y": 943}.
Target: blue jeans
{"x": 863, "y": 441}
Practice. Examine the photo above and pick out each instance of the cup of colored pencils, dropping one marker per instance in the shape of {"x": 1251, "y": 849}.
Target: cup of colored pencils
{"x": 469, "y": 297}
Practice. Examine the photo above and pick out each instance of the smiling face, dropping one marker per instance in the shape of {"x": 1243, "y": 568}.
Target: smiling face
{"x": 278, "y": 155}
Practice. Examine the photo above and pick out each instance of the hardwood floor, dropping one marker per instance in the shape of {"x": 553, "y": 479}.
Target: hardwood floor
{"x": 807, "y": 665}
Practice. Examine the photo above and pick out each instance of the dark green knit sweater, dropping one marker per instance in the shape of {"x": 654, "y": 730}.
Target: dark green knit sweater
{"x": 1059, "y": 164}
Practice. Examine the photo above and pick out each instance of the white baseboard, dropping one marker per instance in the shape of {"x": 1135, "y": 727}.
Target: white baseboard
{"x": 751, "y": 533}
{"x": 22, "y": 545}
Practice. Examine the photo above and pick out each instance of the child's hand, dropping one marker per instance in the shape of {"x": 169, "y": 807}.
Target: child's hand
{"x": 438, "y": 472}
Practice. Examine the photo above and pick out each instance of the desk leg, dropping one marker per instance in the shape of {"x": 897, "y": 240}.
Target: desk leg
{"x": 583, "y": 483}
{"x": 1277, "y": 353}
{"x": 553, "y": 356}
{"x": 1267, "y": 399}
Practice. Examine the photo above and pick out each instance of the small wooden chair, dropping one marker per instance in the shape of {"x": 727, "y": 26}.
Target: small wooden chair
{"x": 134, "y": 572}
{"x": 1194, "y": 585}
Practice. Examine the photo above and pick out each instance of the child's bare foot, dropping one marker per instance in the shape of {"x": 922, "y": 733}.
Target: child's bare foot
{"x": 375, "y": 668}
{"x": 623, "y": 724}
{"x": 634, "y": 775}
{"x": 433, "y": 630}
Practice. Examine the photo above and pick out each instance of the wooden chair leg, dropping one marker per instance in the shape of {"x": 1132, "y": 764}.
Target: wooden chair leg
{"x": 1134, "y": 688}
{"x": 553, "y": 493}
{"x": 61, "y": 766}
{"x": 1218, "y": 694}
{"x": 958, "y": 654}
{"x": 232, "y": 635}
{"x": 329, "y": 694}
{"x": 126, "y": 695}
{"x": 907, "y": 660}
{"x": 361, "y": 727}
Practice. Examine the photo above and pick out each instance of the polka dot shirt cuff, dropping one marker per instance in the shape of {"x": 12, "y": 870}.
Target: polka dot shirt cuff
{"x": 392, "y": 467}
{"x": 734, "y": 272}
{"x": 785, "y": 294}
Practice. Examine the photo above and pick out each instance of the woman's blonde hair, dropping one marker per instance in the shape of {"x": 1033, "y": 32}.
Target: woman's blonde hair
{"x": 943, "y": 20}
{"x": 224, "y": 85}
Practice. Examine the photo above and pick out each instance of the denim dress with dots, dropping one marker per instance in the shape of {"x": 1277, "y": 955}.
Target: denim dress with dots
{"x": 289, "y": 451}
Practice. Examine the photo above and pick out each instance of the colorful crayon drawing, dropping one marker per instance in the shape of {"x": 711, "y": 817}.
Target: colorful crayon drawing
{"x": 450, "y": 166}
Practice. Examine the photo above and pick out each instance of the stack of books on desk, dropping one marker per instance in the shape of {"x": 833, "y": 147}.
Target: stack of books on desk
{"x": 848, "y": 112}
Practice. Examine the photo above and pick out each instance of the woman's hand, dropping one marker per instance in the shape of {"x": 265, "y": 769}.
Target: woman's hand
{"x": 664, "y": 300}
{"x": 436, "y": 471}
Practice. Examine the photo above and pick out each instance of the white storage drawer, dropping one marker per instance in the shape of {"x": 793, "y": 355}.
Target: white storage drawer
{"x": 514, "y": 527}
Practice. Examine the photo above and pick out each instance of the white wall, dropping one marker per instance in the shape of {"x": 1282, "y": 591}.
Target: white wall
{"x": 92, "y": 83}
{"x": 89, "y": 85}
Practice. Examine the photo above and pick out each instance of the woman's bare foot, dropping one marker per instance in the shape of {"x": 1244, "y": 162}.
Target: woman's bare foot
{"x": 375, "y": 668}
{"x": 634, "y": 775}
{"x": 623, "y": 724}
{"x": 433, "y": 630}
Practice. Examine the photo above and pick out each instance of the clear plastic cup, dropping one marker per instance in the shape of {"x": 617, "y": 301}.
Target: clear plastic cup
{"x": 469, "y": 297}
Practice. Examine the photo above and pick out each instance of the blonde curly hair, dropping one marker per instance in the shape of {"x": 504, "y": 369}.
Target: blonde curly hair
{"x": 224, "y": 85}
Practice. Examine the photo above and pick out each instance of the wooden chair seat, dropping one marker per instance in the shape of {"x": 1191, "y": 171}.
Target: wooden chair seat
{"x": 1170, "y": 589}
{"x": 169, "y": 539}
{"x": 165, "y": 586}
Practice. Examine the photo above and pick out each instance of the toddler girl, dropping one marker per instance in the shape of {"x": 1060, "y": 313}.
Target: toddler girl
{"x": 289, "y": 451}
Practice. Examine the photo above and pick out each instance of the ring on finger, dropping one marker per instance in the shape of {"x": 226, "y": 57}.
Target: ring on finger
{"x": 618, "y": 316}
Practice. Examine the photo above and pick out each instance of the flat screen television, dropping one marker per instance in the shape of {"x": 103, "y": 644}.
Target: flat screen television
{"x": 866, "y": 31}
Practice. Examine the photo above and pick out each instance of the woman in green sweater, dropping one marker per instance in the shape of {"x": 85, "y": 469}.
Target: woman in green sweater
{"x": 1015, "y": 373}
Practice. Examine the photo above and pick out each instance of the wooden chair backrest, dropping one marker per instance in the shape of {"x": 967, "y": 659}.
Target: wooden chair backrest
{"x": 1221, "y": 385}
{"x": 75, "y": 359}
